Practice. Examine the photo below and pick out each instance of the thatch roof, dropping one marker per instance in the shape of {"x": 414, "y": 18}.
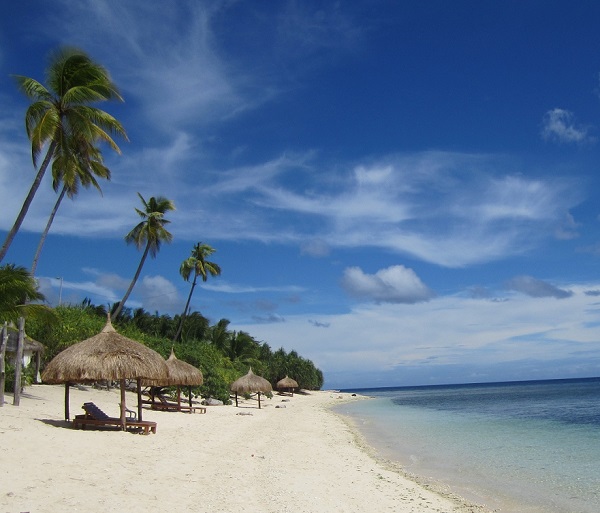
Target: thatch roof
{"x": 287, "y": 383}
{"x": 29, "y": 344}
{"x": 107, "y": 355}
{"x": 251, "y": 383}
{"x": 180, "y": 374}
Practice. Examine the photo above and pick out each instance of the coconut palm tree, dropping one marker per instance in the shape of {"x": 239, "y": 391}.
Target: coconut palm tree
{"x": 220, "y": 336}
{"x": 150, "y": 233}
{"x": 18, "y": 289}
{"x": 80, "y": 167}
{"x": 197, "y": 264}
{"x": 63, "y": 110}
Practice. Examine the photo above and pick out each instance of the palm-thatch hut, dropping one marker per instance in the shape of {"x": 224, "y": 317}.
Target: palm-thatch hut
{"x": 250, "y": 383}
{"x": 287, "y": 385}
{"x": 180, "y": 374}
{"x": 31, "y": 348}
{"x": 106, "y": 356}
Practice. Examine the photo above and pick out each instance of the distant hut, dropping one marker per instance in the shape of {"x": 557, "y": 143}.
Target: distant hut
{"x": 180, "y": 374}
{"x": 31, "y": 349}
{"x": 287, "y": 385}
{"x": 106, "y": 356}
{"x": 249, "y": 384}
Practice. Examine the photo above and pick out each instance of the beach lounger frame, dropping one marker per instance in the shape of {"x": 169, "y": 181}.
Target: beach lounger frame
{"x": 165, "y": 405}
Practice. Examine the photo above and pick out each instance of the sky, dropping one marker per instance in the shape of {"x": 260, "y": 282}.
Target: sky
{"x": 405, "y": 193}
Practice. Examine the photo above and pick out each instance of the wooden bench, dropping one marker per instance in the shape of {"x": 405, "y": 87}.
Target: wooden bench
{"x": 94, "y": 416}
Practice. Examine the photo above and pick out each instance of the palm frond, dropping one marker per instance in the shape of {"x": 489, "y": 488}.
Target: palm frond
{"x": 32, "y": 88}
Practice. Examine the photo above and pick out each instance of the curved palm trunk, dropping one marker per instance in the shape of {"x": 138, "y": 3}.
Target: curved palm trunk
{"x": 135, "y": 278}
{"x": 187, "y": 305}
{"x": 46, "y": 230}
{"x": 27, "y": 203}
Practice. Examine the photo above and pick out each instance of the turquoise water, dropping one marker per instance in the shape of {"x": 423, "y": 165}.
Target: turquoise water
{"x": 517, "y": 447}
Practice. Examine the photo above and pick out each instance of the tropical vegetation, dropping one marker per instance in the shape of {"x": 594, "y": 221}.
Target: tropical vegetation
{"x": 221, "y": 354}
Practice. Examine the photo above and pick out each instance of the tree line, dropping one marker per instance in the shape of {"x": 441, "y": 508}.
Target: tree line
{"x": 63, "y": 120}
{"x": 222, "y": 354}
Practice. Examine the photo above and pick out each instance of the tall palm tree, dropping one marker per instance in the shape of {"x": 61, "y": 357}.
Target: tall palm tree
{"x": 62, "y": 110}
{"x": 197, "y": 264}
{"x": 83, "y": 163}
{"x": 150, "y": 233}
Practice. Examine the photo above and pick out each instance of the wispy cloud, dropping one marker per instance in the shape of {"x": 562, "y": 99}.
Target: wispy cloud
{"x": 176, "y": 78}
{"x": 559, "y": 125}
{"x": 318, "y": 324}
{"x": 269, "y": 319}
{"x": 537, "y": 288}
{"x": 449, "y": 209}
{"x": 230, "y": 288}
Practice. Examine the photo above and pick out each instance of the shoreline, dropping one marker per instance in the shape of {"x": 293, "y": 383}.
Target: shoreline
{"x": 463, "y": 504}
{"x": 294, "y": 455}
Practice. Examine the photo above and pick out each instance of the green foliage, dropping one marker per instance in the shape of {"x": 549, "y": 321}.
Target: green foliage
{"x": 18, "y": 291}
{"x": 27, "y": 376}
{"x": 221, "y": 354}
{"x": 76, "y": 323}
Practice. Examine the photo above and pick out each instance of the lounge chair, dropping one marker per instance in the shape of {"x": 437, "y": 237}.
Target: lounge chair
{"x": 94, "y": 416}
{"x": 165, "y": 405}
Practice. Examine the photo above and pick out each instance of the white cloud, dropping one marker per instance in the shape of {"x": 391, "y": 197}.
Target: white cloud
{"x": 567, "y": 229}
{"x": 411, "y": 344}
{"x": 159, "y": 295}
{"x": 559, "y": 126}
{"x": 316, "y": 248}
{"x": 396, "y": 284}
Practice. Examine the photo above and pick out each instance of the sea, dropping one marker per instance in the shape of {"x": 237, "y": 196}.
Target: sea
{"x": 514, "y": 447}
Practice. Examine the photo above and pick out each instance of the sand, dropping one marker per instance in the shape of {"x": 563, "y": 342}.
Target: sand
{"x": 299, "y": 457}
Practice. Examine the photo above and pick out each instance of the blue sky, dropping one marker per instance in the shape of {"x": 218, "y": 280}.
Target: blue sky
{"x": 404, "y": 192}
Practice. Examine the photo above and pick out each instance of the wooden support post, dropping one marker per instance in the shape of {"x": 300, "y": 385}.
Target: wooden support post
{"x": 38, "y": 363}
{"x": 123, "y": 421}
{"x": 67, "y": 413}
{"x": 139, "y": 397}
{"x": 3, "y": 344}
{"x": 19, "y": 362}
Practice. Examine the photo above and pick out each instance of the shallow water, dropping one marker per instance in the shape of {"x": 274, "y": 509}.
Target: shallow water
{"x": 522, "y": 447}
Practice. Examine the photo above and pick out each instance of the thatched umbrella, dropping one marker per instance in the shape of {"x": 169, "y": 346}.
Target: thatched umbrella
{"x": 287, "y": 384}
{"x": 180, "y": 374}
{"x": 106, "y": 356}
{"x": 250, "y": 383}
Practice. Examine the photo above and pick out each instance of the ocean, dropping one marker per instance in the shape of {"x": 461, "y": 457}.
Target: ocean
{"x": 516, "y": 447}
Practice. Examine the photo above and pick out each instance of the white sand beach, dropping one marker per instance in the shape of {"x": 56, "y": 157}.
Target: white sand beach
{"x": 298, "y": 458}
